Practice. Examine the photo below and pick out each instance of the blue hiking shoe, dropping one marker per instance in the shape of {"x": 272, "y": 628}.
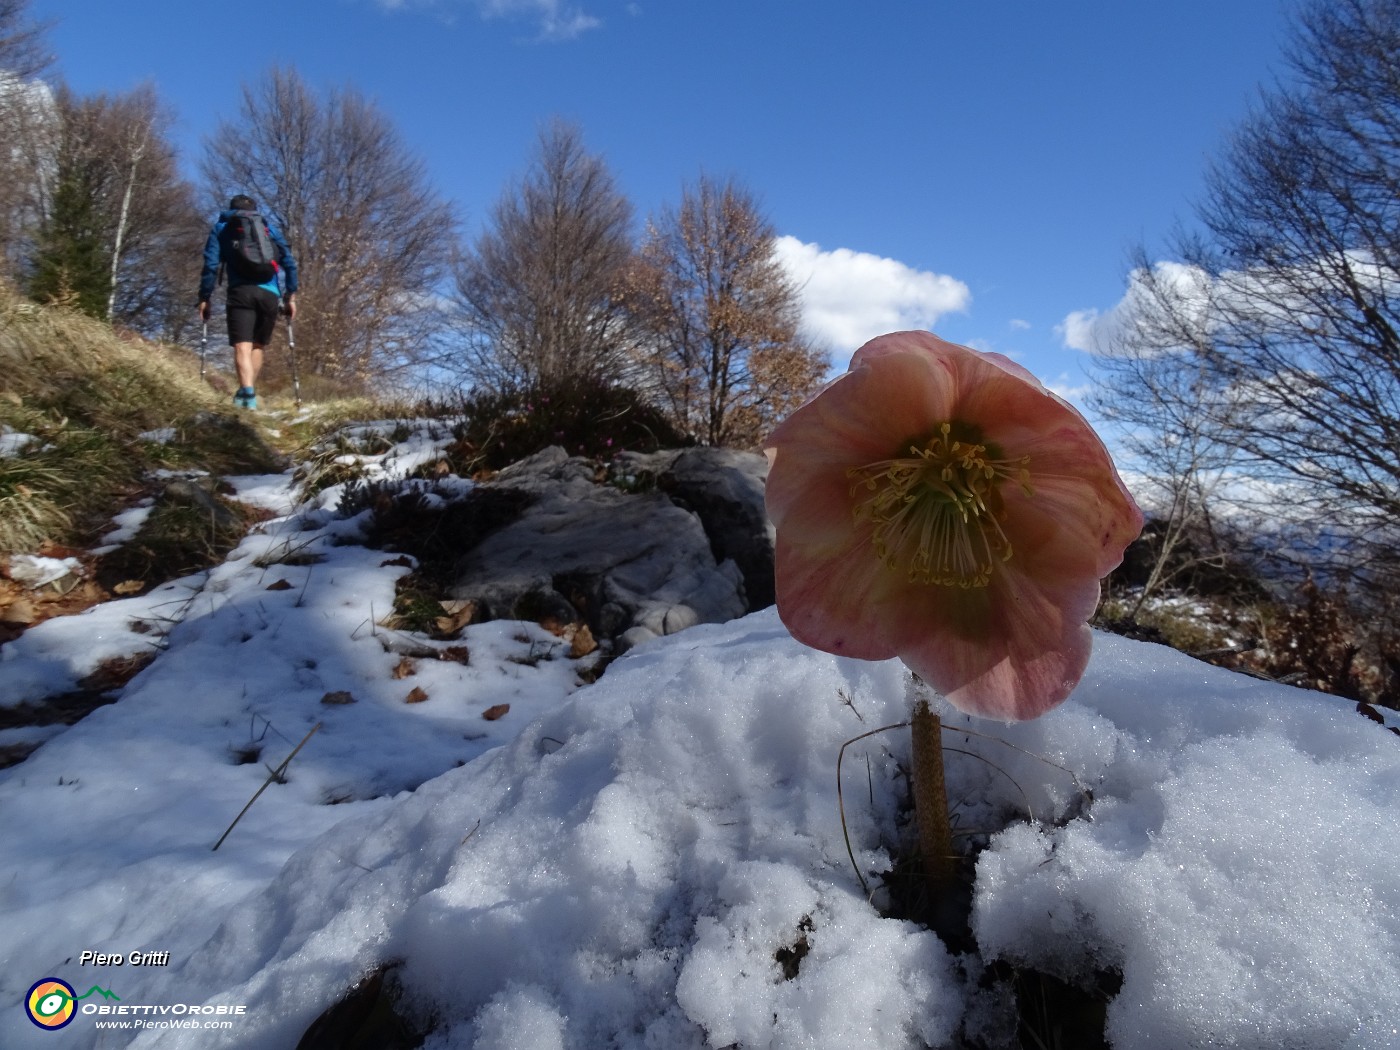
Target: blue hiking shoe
{"x": 245, "y": 398}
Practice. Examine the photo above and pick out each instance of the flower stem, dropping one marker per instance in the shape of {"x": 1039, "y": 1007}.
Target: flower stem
{"x": 931, "y": 795}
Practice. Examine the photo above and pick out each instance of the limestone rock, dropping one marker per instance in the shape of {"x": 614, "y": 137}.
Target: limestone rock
{"x": 724, "y": 487}
{"x": 658, "y": 544}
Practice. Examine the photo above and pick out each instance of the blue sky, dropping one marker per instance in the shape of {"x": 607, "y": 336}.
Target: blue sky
{"x": 979, "y": 169}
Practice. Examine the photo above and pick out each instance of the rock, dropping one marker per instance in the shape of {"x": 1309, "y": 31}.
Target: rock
{"x": 725, "y": 488}
{"x": 631, "y": 561}
{"x": 631, "y": 637}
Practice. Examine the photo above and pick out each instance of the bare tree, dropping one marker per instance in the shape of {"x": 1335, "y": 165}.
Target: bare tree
{"x": 541, "y": 292}
{"x": 370, "y": 236}
{"x": 120, "y": 225}
{"x": 24, "y": 52}
{"x": 28, "y": 133}
{"x": 721, "y": 317}
{"x": 1171, "y": 419}
{"x": 151, "y": 222}
{"x": 1299, "y": 257}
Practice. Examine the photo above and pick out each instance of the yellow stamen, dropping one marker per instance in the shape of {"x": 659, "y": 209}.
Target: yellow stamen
{"x": 935, "y": 512}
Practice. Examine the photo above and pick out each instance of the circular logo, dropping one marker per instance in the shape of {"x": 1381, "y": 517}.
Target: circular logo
{"x": 49, "y": 1003}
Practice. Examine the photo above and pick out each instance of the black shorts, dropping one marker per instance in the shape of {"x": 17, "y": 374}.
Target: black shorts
{"x": 252, "y": 314}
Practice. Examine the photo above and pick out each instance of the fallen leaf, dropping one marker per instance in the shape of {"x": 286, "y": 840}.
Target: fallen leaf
{"x": 459, "y": 614}
{"x": 402, "y": 561}
{"x": 340, "y": 696}
{"x": 415, "y": 695}
{"x": 456, "y": 653}
{"x": 582, "y": 642}
{"x": 20, "y": 612}
{"x": 579, "y": 637}
{"x": 404, "y": 668}
{"x": 494, "y": 712}
{"x": 128, "y": 587}
{"x": 280, "y": 585}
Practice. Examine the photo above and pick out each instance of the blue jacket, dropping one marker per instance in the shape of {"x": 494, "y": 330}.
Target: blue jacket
{"x": 213, "y": 257}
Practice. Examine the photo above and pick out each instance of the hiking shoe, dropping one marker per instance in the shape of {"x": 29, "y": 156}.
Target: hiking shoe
{"x": 245, "y": 398}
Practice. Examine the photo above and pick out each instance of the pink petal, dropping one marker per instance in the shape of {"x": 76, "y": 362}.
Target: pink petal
{"x": 1012, "y": 649}
{"x": 840, "y": 604}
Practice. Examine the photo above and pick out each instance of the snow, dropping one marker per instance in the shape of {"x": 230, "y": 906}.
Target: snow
{"x": 620, "y": 864}
{"x": 13, "y": 442}
{"x": 36, "y": 571}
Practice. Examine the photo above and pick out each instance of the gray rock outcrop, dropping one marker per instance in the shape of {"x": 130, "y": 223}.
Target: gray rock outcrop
{"x": 652, "y": 545}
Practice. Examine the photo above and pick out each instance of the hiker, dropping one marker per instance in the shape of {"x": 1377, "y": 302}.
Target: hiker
{"x": 260, "y": 270}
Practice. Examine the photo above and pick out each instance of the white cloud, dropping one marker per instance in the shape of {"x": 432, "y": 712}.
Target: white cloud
{"x": 1080, "y": 330}
{"x": 1096, "y": 332}
{"x": 1018, "y": 325}
{"x": 557, "y": 20}
{"x": 849, "y": 297}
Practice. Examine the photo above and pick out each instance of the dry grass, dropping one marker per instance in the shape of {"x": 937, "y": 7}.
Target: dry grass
{"x": 105, "y": 414}
{"x": 85, "y": 397}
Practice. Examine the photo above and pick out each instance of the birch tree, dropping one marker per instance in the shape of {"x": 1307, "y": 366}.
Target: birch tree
{"x": 28, "y": 129}
{"x": 119, "y": 233}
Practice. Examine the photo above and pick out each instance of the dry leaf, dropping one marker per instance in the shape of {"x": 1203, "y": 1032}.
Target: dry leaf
{"x": 402, "y": 561}
{"x": 459, "y": 614}
{"x": 280, "y": 585}
{"x": 495, "y": 712}
{"x": 128, "y": 587}
{"x": 579, "y": 637}
{"x": 20, "y": 611}
{"x": 456, "y": 653}
{"x": 415, "y": 695}
{"x": 582, "y": 642}
{"x": 340, "y": 696}
{"x": 404, "y": 668}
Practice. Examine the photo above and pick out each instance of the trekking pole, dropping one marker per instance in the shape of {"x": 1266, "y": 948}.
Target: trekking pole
{"x": 203, "y": 342}
{"x": 292, "y": 346}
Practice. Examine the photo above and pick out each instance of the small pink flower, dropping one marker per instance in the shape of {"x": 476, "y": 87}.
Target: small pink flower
{"x": 940, "y": 505}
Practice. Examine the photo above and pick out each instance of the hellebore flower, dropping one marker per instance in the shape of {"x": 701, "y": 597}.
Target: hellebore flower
{"x": 939, "y": 504}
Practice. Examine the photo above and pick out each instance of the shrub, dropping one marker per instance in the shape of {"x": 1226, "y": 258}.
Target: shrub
{"x": 584, "y": 418}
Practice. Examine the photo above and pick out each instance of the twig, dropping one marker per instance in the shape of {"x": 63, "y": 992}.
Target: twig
{"x": 276, "y": 774}
{"x": 1030, "y": 813}
{"x": 841, "y": 802}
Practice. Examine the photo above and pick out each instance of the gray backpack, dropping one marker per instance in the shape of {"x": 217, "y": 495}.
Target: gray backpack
{"x": 248, "y": 249}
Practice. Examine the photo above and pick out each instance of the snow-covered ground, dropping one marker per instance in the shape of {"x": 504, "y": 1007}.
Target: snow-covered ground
{"x": 621, "y": 864}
